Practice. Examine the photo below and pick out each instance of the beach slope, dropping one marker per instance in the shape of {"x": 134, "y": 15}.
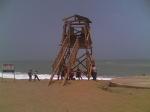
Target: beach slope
{"x": 76, "y": 96}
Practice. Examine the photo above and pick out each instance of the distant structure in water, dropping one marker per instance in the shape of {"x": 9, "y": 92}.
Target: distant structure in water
{"x": 75, "y": 49}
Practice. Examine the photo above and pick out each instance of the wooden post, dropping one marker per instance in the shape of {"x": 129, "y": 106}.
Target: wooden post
{"x": 2, "y": 75}
{"x": 14, "y": 74}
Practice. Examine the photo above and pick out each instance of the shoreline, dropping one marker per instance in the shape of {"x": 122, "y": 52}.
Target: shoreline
{"x": 20, "y": 76}
{"x": 125, "y": 81}
{"x": 136, "y": 80}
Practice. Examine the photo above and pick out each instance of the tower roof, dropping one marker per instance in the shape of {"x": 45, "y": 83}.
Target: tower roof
{"x": 77, "y": 18}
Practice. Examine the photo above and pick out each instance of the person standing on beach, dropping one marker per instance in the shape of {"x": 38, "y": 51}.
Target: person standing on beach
{"x": 78, "y": 74}
{"x": 36, "y": 76}
{"x": 94, "y": 73}
{"x": 30, "y": 74}
{"x": 71, "y": 75}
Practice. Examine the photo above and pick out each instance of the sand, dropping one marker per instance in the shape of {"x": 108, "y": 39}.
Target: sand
{"x": 137, "y": 81}
{"x": 76, "y": 96}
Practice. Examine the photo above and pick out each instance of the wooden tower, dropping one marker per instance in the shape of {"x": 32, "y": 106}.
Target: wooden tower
{"x": 75, "y": 48}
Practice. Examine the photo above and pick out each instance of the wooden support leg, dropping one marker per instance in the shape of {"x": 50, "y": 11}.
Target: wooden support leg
{"x": 14, "y": 76}
{"x": 51, "y": 79}
{"x": 2, "y": 76}
{"x": 66, "y": 77}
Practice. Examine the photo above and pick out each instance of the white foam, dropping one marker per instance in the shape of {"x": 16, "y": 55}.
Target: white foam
{"x": 19, "y": 75}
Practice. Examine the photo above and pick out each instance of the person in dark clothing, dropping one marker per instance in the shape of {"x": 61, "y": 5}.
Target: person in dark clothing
{"x": 30, "y": 74}
{"x": 36, "y": 76}
{"x": 78, "y": 74}
{"x": 94, "y": 73}
{"x": 71, "y": 76}
{"x": 62, "y": 74}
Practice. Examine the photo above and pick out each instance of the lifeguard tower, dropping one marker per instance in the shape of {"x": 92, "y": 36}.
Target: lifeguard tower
{"x": 75, "y": 48}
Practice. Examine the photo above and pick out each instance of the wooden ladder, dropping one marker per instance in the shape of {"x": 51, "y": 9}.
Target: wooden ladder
{"x": 58, "y": 61}
{"x": 72, "y": 59}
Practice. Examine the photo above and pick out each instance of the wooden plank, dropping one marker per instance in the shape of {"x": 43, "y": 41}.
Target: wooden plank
{"x": 80, "y": 63}
{"x": 59, "y": 59}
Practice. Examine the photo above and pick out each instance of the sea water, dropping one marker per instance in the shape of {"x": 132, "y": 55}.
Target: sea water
{"x": 108, "y": 68}
{"x": 126, "y": 67}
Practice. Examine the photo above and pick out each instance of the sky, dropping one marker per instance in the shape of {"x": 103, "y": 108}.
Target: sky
{"x": 32, "y": 29}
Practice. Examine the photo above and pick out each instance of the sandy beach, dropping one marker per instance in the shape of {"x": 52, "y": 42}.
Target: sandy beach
{"x": 136, "y": 81}
{"x": 76, "y": 96}
{"x": 74, "y": 56}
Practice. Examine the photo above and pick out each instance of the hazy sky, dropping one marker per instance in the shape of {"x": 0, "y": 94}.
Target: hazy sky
{"x": 32, "y": 29}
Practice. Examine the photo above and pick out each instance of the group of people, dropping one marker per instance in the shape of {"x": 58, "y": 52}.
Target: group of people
{"x": 31, "y": 73}
{"x": 77, "y": 73}
{"x": 71, "y": 74}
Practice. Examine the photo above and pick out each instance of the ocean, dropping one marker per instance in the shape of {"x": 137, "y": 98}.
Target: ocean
{"x": 108, "y": 68}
